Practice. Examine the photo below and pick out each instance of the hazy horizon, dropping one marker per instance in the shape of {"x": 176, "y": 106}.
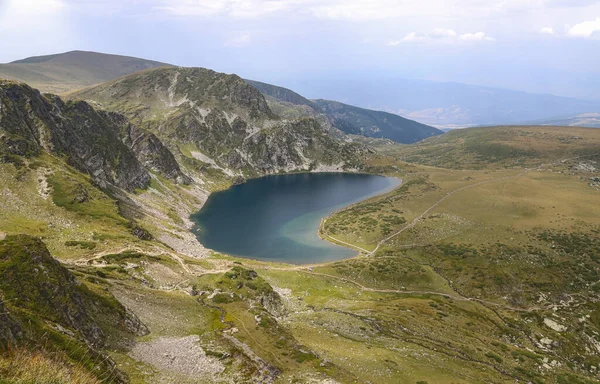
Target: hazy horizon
{"x": 542, "y": 46}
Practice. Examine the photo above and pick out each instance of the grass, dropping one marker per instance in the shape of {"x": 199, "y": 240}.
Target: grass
{"x": 32, "y": 367}
{"x": 463, "y": 296}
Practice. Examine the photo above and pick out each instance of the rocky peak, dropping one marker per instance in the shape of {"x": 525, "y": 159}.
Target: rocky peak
{"x": 31, "y": 122}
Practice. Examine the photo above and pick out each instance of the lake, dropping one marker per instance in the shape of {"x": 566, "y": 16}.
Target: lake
{"x": 277, "y": 218}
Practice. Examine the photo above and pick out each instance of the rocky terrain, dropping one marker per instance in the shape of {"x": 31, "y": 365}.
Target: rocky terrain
{"x": 347, "y": 118}
{"x": 219, "y": 119}
{"x": 482, "y": 266}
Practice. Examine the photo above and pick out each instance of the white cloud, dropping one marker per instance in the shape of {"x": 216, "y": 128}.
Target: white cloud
{"x": 34, "y": 27}
{"x": 233, "y": 8}
{"x": 360, "y": 10}
{"x": 547, "y": 31}
{"x": 413, "y": 36}
{"x": 477, "y": 36}
{"x": 440, "y": 35}
{"x": 240, "y": 40}
{"x": 585, "y": 29}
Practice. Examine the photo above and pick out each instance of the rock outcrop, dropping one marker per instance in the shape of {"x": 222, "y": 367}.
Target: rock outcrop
{"x": 224, "y": 119}
{"x": 31, "y": 122}
{"x": 37, "y": 284}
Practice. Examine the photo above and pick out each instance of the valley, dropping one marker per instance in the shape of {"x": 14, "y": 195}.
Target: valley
{"x": 481, "y": 266}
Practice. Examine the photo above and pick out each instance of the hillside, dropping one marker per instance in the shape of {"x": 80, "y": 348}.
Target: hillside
{"x": 67, "y": 72}
{"x": 72, "y": 70}
{"x": 591, "y": 120}
{"x": 464, "y": 275}
{"x": 346, "y": 118}
{"x": 281, "y": 94}
{"x": 219, "y": 119}
{"x": 45, "y": 305}
{"x": 500, "y": 147}
{"x": 446, "y": 104}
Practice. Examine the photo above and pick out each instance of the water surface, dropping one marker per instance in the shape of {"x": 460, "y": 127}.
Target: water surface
{"x": 276, "y": 218}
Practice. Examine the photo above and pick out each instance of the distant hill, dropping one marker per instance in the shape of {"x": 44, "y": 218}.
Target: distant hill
{"x": 445, "y": 104}
{"x": 68, "y": 71}
{"x": 590, "y": 120}
{"x": 350, "y": 119}
{"x": 281, "y": 94}
{"x": 501, "y": 147}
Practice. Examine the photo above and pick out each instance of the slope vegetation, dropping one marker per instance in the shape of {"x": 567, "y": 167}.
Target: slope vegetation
{"x": 346, "y": 118}
{"x": 501, "y": 147}
{"x": 72, "y": 70}
{"x": 46, "y": 308}
{"x": 219, "y": 119}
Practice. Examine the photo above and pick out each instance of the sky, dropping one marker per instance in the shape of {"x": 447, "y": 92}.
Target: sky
{"x": 541, "y": 46}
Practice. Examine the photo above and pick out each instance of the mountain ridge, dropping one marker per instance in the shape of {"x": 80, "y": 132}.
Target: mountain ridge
{"x": 59, "y": 73}
{"x": 353, "y": 120}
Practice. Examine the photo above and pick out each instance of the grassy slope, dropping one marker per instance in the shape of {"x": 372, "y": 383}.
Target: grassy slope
{"x": 72, "y": 70}
{"x": 454, "y": 299}
{"x": 484, "y": 148}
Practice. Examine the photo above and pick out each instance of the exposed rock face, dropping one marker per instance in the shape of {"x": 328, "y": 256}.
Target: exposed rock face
{"x": 149, "y": 150}
{"x": 10, "y": 330}
{"x": 350, "y": 119}
{"x": 222, "y": 116}
{"x": 31, "y": 122}
{"x": 35, "y": 282}
{"x": 300, "y": 144}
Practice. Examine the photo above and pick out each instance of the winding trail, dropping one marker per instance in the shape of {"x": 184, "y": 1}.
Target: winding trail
{"x": 422, "y": 215}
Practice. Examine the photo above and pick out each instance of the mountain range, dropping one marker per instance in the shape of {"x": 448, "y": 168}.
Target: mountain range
{"x": 483, "y": 265}
{"x": 445, "y": 104}
{"x": 67, "y": 72}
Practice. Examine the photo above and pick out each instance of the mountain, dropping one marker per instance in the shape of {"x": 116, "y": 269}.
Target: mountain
{"x": 591, "y": 120}
{"x": 445, "y": 104}
{"x": 281, "y": 94}
{"x": 219, "y": 119}
{"x": 32, "y": 123}
{"x": 72, "y": 70}
{"x": 350, "y": 119}
{"x": 68, "y": 72}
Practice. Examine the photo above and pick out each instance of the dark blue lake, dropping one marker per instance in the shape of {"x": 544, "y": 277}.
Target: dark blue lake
{"x": 276, "y": 218}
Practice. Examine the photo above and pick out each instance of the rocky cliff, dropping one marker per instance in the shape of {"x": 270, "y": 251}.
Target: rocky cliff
{"x": 220, "y": 119}
{"x": 44, "y": 307}
{"x": 31, "y": 122}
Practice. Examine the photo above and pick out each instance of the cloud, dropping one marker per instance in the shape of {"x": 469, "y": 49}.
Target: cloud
{"x": 586, "y": 29}
{"x": 413, "y": 36}
{"x": 477, "y": 36}
{"x": 240, "y": 40}
{"x": 359, "y": 10}
{"x": 34, "y": 26}
{"x": 232, "y": 8}
{"x": 547, "y": 31}
{"x": 441, "y": 35}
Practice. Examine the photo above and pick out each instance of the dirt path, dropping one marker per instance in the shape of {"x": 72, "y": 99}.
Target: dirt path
{"x": 422, "y": 215}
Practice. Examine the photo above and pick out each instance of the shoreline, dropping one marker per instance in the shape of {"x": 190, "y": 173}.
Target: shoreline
{"x": 320, "y": 234}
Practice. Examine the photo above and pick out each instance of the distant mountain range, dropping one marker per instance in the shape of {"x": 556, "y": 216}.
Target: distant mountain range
{"x": 446, "y": 105}
{"x": 353, "y": 120}
{"x": 67, "y": 72}
{"x": 591, "y": 120}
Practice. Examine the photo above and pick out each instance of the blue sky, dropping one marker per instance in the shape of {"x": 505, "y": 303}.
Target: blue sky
{"x": 545, "y": 46}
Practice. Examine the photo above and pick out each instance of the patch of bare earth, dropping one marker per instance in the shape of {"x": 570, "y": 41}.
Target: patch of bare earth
{"x": 180, "y": 355}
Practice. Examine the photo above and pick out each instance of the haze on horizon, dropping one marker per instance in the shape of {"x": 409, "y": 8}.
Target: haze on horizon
{"x": 538, "y": 46}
